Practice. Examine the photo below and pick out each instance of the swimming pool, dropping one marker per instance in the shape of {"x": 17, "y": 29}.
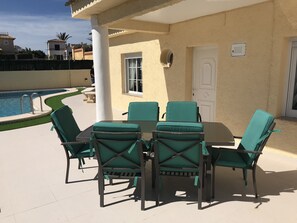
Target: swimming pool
{"x": 10, "y": 102}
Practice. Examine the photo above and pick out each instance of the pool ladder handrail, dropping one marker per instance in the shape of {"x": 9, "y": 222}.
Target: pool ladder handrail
{"x": 31, "y": 102}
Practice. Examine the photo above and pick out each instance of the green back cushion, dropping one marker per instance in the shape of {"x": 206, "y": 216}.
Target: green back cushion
{"x": 146, "y": 111}
{"x": 109, "y": 145}
{"x": 258, "y": 127}
{"x": 66, "y": 126}
{"x": 182, "y": 111}
{"x": 178, "y": 143}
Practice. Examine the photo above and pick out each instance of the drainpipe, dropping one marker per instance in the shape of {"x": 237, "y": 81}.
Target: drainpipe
{"x": 101, "y": 70}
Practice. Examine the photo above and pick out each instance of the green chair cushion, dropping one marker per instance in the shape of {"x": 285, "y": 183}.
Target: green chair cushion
{"x": 185, "y": 144}
{"x": 116, "y": 127}
{"x": 67, "y": 127}
{"x": 182, "y": 111}
{"x": 251, "y": 141}
{"x": 179, "y": 126}
{"x": 258, "y": 127}
{"x": 144, "y": 111}
{"x": 112, "y": 139}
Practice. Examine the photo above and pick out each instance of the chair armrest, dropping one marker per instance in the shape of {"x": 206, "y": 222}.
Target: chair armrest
{"x": 199, "y": 117}
{"x": 240, "y": 150}
{"x": 124, "y": 113}
{"x": 237, "y": 137}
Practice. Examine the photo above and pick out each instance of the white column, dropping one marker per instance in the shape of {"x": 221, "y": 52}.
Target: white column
{"x": 101, "y": 70}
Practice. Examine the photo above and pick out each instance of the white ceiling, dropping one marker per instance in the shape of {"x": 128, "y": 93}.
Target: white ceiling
{"x": 189, "y": 9}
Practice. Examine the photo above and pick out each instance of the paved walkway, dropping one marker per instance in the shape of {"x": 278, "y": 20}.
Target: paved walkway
{"x": 32, "y": 188}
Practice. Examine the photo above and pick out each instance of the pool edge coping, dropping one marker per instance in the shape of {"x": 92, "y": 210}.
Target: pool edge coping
{"x": 38, "y": 114}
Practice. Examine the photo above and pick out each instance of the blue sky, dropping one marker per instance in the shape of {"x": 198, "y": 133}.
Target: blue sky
{"x": 34, "y": 22}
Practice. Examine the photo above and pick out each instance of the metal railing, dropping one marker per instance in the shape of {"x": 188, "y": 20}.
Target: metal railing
{"x": 31, "y": 102}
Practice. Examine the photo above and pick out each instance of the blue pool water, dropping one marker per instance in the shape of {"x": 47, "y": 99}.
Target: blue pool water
{"x": 10, "y": 101}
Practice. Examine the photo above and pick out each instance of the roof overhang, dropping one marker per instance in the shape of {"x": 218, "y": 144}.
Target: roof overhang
{"x": 154, "y": 16}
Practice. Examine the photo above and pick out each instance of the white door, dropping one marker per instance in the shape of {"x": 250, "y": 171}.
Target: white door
{"x": 291, "y": 108}
{"x": 204, "y": 81}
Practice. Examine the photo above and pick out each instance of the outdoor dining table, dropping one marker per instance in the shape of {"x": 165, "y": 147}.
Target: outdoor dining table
{"x": 215, "y": 134}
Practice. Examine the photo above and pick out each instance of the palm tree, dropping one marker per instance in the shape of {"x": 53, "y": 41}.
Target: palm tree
{"x": 63, "y": 36}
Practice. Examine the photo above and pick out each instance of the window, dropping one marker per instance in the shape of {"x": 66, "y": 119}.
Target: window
{"x": 133, "y": 63}
{"x": 57, "y": 47}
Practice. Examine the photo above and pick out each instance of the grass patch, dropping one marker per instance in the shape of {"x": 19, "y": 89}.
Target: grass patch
{"x": 54, "y": 102}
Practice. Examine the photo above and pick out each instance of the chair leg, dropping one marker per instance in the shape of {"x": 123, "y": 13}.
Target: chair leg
{"x": 101, "y": 189}
{"x": 255, "y": 182}
{"x": 200, "y": 188}
{"x": 67, "y": 171}
{"x": 153, "y": 174}
{"x": 244, "y": 172}
{"x": 79, "y": 164}
{"x": 213, "y": 182}
{"x": 157, "y": 188}
{"x": 143, "y": 192}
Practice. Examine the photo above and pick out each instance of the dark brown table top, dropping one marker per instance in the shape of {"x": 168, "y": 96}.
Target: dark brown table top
{"x": 215, "y": 133}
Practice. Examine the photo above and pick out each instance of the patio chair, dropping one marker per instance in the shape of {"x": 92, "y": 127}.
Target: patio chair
{"x": 119, "y": 153}
{"x": 249, "y": 150}
{"x": 143, "y": 111}
{"x": 182, "y": 111}
{"x": 67, "y": 130}
{"x": 179, "y": 152}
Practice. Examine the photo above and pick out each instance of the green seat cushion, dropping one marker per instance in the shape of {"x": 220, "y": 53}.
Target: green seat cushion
{"x": 143, "y": 111}
{"x": 257, "y": 127}
{"x": 182, "y": 111}
{"x": 67, "y": 127}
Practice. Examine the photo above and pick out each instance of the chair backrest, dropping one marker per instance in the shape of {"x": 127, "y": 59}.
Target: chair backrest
{"x": 178, "y": 146}
{"x": 256, "y": 134}
{"x": 182, "y": 111}
{"x": 66, "y": 127}
{"x": 118, "y": 146}
{"x": 143, "y": 111}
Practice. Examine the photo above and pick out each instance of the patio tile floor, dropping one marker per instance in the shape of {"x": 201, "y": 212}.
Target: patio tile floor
{"x": 32, "y": 188}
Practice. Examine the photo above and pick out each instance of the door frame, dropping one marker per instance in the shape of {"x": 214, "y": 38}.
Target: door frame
{"x": 207, "y": 47}
{"x": 292, "y": 43}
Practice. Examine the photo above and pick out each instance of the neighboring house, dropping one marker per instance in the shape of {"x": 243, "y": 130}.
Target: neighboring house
{"x": 81, "y": 52}
{"x": 6, "y": 44}
{"x": 57, "y": 49}
{"x": 231, "y": 57}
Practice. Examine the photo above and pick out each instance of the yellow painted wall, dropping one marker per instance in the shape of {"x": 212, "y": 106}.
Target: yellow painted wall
{"x": 22, "y": 80}
{"x": 80, "y": 54}
{"x": 244, "y": 84}
{"x": 154, "y": 85}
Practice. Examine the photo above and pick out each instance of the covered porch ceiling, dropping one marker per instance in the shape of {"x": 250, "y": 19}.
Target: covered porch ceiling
{"x": 154, "y": 16}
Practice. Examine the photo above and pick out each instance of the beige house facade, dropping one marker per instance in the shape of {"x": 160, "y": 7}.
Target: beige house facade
{"x": 6, "y": 43}
{"x": 232, "y": 60}
{"x": 57, "y": 49}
